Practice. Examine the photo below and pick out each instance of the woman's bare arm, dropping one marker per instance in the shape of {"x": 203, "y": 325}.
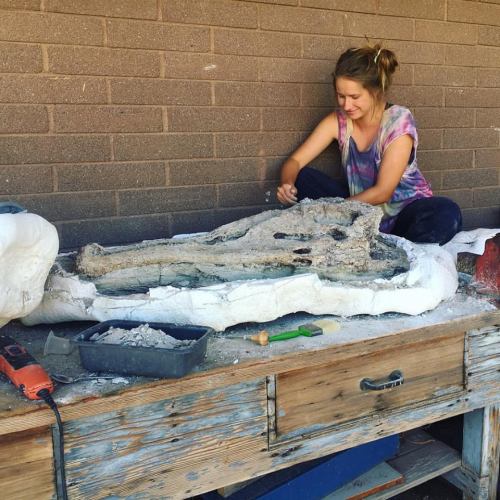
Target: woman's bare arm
{"x": 324, "y": 133}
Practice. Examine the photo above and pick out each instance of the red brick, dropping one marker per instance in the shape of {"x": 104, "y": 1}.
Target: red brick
{"x": 470, "y": 178}
{"x": 256, "y": 94}
{"x": 192, "y": 222}
{"x": 418, "y": 52}
{"x": 212, "y": 12}
{"x": 50, "y": 28}
{"x": 470, "y": 138}
{"x": 487, "y": 197}
{"x": 110, "y": 176}
{"x": 113, "y": 230}
{"x": 444, "y": 117}
{"x": 463, "y": 197}
{"x": 23, "y": 119}
{"x": 445, "y": 76}
{"x": 210, "y": 67}
{"x": 473, "y": 12}
{"x": 204, "y": 172}
{"x": 53, "y": 149}
{"x": 488, "y": 117}
{"x": 295, "y": 70}
{"x": 471, "y": 98}
{"x": 369, "y": 6}
{"x": 462, "y": 55}
{"x": 19, "y": 179}
{"x": 150, "y": 201}
{"x": 489, "y": 35}
{"x": 403, "y": 75}
{"x": 226, "y": 215}
{"x": 434, "y": 179}
{"x": 298, "y": 20}
{"x": 259, "y": 43}
{"x": 378, "y": 26}
{"x": 293, "y": 118}
{"x": 160, "y": 36}
{"x": 247, "y": 193}
{"x": 62, "y": 206}
{"x": 487, "y": 158}
{"x": 107, "y": 119}
{"x": 16, "y": 58}
{"x": 429, "y": 139}
{"x": 145, "y": 9}
{"x": 20, "y": 4}
{"x": 426, "y": 9}
{"x": 480, "y": 217}
{"x": 99, "y": 61}
{"x": 154, "y": 91}
{"x": 278, "y": 2}
{"x": 321, "y": 47}
{"x": 213, "y": 119}
{"x": 162, "y": 146}
{"x": 488, "y": 77}
{"x": 256, "y": 144}
{"x": 445, "y": 160}
{"x": 321, "y": 95}
{"x": 445, "y": 32}
{"x": 50, "y": 89}
{"x": 416, "y": 96}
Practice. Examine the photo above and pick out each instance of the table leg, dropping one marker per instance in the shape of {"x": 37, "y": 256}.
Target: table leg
{"x": 481, "y": 452}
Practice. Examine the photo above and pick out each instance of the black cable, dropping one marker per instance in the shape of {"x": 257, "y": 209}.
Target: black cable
{"x": 58, "y": 443}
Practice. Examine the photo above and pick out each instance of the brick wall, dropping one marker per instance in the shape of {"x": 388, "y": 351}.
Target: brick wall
{"x": 130, "y": 119}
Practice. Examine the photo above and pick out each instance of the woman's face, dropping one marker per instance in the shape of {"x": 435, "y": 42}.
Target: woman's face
{"x": 353, "y": 98}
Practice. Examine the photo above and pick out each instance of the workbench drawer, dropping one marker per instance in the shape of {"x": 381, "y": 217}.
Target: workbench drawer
{"x": 316, "y": 397}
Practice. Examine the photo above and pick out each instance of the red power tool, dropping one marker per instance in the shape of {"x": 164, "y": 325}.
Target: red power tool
{"x": 23, "y": 370}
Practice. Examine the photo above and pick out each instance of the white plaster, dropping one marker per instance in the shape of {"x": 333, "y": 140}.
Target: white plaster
{"x": 432, "y": 277}
{"x": 28, "y": 248}
{"x": 470, "y": 241}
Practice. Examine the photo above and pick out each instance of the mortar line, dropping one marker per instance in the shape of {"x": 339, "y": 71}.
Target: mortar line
{"x": 45, "y": 58}
{"x": 163, "y": 64}
{"x": 112, "y": 147}
{"x": 159, "y": 13}
{"x": 50, "y": 116}
{"x": 104, "y": 32}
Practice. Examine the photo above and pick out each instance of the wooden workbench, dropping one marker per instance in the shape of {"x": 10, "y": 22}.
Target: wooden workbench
{"x": 249, "y": 410}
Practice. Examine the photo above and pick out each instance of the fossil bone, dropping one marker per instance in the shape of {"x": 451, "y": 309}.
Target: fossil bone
{"x": 335, "y": 239}
{"x": 431, "y": 276}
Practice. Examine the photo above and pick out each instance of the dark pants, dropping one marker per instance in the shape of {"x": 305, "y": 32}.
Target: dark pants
{"x": 426, "y": 220}
{"x": 10, "y": 207}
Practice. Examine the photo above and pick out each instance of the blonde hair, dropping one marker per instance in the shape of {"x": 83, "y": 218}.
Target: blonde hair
{"x": 371, "y": 65}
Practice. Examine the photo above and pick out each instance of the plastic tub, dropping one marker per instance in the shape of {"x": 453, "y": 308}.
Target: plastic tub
{"x": 143, "y": 361}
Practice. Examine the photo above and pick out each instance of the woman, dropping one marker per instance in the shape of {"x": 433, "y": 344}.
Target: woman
{"x": 378, "y": 143}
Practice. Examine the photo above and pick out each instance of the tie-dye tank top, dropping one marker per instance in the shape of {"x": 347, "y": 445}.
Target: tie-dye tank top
{"x": 362, "y": 167}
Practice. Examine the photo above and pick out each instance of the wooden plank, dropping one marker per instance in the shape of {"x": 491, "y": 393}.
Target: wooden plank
{"x": 179, "y": 445}
{"x": 481, "y": 452}
{"x": 331, "y": 394}
{"x": 423, "y": 463}
{"x": 26, "y": 467}
{"x": 380, "y": 478}
{"x": 36, "y": 416}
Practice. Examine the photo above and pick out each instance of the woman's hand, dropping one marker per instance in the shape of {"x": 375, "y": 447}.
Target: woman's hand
{"x": 287, "y": 194}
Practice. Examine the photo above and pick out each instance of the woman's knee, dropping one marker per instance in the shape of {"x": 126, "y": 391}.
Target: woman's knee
{"x": 429, "y": 220}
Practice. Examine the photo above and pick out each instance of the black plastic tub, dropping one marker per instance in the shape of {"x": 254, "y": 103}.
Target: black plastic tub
{"x": 143, "y": 361}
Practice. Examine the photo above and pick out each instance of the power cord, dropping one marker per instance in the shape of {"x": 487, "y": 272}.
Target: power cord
{"x": 58, "y": 443}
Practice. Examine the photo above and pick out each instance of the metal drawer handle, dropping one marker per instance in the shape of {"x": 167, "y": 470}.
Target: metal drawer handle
{"x": 393, "y": 380}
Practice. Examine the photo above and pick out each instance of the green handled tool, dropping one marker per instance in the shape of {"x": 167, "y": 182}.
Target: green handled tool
{"x": 307, "y": 330}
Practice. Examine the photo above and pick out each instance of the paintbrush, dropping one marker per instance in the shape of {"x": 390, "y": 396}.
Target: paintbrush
{"x": 308, "y": 330}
